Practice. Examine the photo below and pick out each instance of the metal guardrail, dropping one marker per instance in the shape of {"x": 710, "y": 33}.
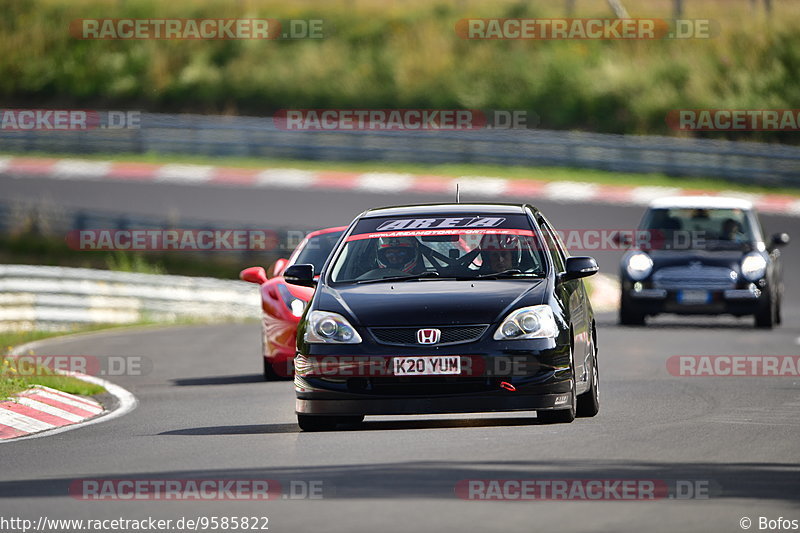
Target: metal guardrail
{"x": 44, "y": 297}
{"x": 768, "y": 164}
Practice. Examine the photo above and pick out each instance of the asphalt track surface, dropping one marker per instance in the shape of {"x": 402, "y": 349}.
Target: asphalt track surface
{"x": 204, "y": 412}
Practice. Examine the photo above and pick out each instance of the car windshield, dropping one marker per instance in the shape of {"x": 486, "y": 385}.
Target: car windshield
{"x": 315, "y": 250}
{"x": 430, "y": 248}
{"x": 698, "y": 228}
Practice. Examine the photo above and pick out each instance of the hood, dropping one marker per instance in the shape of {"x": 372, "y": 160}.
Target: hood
{"x": 431, "y": 303}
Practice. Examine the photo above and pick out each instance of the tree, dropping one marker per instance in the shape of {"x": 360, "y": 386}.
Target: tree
{"x": 619, "y": 9}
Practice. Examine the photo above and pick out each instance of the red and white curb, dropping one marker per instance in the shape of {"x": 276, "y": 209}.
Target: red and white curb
{"x": 42, "y": 411}
{"x": 41, "y": 408}
{"x": 374, "y": 182}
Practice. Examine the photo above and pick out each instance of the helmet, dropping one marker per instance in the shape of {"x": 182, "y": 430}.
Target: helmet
{"x": 399, "y": 253}
{"x": 494, "y": 246}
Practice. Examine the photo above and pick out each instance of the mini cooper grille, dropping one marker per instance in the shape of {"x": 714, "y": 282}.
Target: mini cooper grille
{"x": 703, "y": 277}
{"x": 408, "y": 336}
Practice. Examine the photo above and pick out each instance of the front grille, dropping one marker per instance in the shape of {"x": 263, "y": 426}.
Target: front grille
{"x": 430, "y": 386}
{"x": 405, "y": 336}
{"x": 702, "y": 277}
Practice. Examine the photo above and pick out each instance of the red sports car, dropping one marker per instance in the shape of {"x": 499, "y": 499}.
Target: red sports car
{"x": 283, "y": 304}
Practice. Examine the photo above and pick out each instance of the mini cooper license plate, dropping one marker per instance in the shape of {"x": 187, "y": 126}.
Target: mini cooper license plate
{"x": 427, "y": 365}
{"x": 694, "y": 297}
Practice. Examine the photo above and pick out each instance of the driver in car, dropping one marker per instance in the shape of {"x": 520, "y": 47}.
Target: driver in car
{"x": 500, "y": 252}
{"x": 732, "y": 231}
{"x": 398, "y": 253}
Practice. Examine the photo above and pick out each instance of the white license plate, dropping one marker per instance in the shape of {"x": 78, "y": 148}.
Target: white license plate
{"x": 694, "y": 297}
{"x": 427, "y": 365}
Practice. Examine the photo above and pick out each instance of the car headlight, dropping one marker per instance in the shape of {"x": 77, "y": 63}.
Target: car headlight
{"x": 295, "y": 304}
{"x": 330, "y": 328}
{"x": 535, "y": 322}
{"x": 638, "y": 266}
{"x": 754, "y": 266}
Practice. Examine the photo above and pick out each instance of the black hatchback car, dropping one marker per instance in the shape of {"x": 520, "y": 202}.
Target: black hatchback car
{"x": 446, "y": 308}
{"x": 702, "y": 255}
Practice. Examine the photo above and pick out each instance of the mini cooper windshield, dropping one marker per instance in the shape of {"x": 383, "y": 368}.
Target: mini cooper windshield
{"x": 465, "y": 247}
{"x": 700, "y": 228}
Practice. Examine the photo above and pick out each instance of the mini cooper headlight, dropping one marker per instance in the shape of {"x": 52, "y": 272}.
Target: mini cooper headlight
{"x": 754, "y": 266}
{"x": 535, "y": 322}
{"x": 638, "y": 266}
{"x": 330, "y": 328}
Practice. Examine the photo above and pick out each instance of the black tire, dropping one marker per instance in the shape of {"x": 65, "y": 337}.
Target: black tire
{"x": 351, "y": 420}
{"x": 589, "y": 401}
{"x": 316, "y": 423}
{"x": 767, "y": 317}
{"x": 270, "y": 374}
{"x": 628, "y": 316}
{"x": 560, "y": 416}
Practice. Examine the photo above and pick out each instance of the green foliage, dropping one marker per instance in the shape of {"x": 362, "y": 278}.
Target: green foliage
{"x": 404, "y": 55}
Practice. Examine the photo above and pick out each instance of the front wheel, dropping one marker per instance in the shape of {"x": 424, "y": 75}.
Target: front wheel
{"x": 767, "y": 317}
{"x": 629, "y": 316}
{"x": 589, "y": 401}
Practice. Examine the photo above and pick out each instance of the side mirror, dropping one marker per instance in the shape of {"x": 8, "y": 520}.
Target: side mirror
{"x": 622, "y": 239}
{"x": 255, "y": 275}
{"x": 579, "y": 267}
{"x": 278, "y": 267}
{"x": 302, "y": 275}
{"x": 780, "y": 239}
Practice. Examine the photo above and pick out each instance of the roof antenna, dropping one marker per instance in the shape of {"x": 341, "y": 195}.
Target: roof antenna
{"x": 458, "y": 195}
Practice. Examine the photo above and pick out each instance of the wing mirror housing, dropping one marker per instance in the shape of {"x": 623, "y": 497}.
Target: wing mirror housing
{"x": 302, "y": 275}
{"x": 579, "y": 267}
{"x": 255, "y": 275}
{"x": 780, "y": 239}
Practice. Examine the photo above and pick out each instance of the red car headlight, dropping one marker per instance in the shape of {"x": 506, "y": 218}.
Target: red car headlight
{"x": 295, "y": 305}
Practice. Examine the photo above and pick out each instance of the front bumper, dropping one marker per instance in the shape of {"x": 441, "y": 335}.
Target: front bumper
{"x": 477, "y": 403}
{"x": 514, "y": 376}
{"x": 740, "y": 300}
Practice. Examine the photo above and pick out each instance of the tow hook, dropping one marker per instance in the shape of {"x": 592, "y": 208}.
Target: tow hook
{"x": 508, "y": 386}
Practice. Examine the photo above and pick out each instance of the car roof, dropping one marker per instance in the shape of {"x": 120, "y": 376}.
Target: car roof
{"x": 701, "y": 202}
{"x": 446, "y": 209}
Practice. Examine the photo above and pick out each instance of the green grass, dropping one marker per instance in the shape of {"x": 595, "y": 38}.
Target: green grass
{"x": 452, "y": 170}
{"x": 11, "y": 382}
